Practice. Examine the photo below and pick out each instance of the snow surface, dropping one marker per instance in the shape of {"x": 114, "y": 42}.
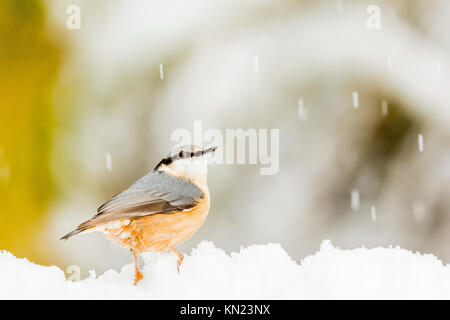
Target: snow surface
{"x": 256, "y": 272}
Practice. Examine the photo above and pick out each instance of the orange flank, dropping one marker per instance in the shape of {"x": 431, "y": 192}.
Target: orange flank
{"x": 162, "y": 231}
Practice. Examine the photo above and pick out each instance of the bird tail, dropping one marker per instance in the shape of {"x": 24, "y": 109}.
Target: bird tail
{"x": 81, "y": 228}
{"x": 71, "y": 234}
{"x": 88, "y": 225}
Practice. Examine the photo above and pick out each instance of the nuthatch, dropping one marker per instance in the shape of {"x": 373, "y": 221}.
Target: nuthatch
{"x": 160, "y": 210}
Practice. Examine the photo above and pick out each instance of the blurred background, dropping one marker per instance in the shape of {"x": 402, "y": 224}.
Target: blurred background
{"x": 362, "y": 105}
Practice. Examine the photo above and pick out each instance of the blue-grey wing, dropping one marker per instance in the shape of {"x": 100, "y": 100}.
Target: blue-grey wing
{"x": 157, "y": 192}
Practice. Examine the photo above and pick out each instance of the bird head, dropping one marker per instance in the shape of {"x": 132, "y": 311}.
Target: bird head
{"x": 187, "y": 162}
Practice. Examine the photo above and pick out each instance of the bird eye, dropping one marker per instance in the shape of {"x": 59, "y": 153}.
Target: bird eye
{"x": 181, "y": 154}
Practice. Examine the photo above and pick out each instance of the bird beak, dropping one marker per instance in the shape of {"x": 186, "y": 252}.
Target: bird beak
{"x": 209, "y": 150}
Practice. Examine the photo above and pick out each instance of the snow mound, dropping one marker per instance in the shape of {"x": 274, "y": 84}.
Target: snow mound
{"x": 256, "y": 272}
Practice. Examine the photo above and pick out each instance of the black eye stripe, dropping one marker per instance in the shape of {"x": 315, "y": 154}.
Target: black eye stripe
{"x": 184, "y": 154}
{"x": 180, "y": 155}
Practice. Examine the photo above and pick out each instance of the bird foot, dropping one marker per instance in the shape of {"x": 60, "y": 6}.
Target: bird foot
{"x": 137, "y": 277}
{"x": 180, "y": 258}
{"x": 179, "y": 263}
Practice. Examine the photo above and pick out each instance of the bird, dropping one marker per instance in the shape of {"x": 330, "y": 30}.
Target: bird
{"x": 160, "y": 210}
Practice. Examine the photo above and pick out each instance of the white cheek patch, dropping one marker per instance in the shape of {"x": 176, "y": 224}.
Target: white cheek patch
{"x": 189, "y": 168}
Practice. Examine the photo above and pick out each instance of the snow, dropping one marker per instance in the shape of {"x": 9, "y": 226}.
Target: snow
{"x": 256, "y": 272}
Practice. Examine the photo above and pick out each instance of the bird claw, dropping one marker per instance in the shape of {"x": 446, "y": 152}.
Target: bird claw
{"x": 179, "y": 264}
{"x": 137, "y": 277}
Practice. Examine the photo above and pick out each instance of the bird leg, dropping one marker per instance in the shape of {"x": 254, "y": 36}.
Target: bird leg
{"x": 180, "y": 258}
{"x": 137, "y": 274}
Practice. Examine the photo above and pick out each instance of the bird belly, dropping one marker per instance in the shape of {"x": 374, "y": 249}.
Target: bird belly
{"x": 162, "y": 231}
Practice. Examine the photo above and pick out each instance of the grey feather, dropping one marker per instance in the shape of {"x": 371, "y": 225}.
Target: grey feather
{"x": 156, "y": 192}
{"x": 156, "y": 186}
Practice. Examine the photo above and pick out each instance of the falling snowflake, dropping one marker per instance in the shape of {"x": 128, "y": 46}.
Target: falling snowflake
{"x": 354, "y": 199}
{"x": 355, "y": 99}
{"x": 108, "y": 161}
